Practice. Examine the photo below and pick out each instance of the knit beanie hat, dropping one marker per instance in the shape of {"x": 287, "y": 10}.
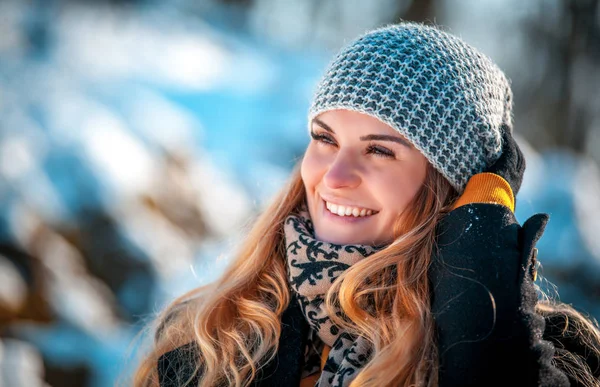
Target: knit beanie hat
{"x": 441, "y": 94}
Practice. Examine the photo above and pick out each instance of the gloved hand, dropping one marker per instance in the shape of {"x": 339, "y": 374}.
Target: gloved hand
{"x": 483, "y": 300}
{"x": 501, "y": 181}
{"x": 511, "y": 164}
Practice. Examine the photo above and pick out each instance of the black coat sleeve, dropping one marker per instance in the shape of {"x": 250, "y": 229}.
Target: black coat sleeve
{"x": 483, "y": 301}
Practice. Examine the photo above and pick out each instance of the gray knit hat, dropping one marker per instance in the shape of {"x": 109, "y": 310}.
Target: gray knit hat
{"x": 444, "y": 96}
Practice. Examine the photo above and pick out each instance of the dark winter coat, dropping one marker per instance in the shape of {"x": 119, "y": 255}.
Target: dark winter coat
{"x": 483, "y": 301}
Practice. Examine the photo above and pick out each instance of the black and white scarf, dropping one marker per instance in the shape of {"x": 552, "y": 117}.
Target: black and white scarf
{"x": 312, "y": 267}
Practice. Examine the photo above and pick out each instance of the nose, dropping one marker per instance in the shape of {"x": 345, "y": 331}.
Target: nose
{"x": 343, "y": 172}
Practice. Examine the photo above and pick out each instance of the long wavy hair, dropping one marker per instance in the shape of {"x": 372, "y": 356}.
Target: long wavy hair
{"x": 235, "y": 321}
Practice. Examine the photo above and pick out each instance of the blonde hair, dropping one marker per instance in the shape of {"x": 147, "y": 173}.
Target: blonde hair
{"x": 235, "y": 321}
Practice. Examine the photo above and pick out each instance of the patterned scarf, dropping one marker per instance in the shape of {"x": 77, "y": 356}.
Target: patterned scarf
{"x": 312, "y": 267}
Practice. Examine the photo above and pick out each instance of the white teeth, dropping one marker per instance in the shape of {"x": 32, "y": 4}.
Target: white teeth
{"x": 347, "y": 211}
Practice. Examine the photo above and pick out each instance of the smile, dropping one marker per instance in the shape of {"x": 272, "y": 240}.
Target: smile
{"x": 341, "y": 210}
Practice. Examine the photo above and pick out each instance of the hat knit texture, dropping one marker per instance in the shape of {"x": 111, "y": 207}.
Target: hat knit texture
{"x": 444, "y": 96}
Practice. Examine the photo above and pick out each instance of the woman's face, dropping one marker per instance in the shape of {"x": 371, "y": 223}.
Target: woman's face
{"x": 359, "y": 175}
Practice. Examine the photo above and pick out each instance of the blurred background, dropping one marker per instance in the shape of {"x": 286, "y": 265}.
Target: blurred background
{"x": 138, "y": 139}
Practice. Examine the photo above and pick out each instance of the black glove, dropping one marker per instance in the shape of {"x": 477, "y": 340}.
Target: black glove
{"x": 511, "y": 164}
{"x": 483, "y": 300}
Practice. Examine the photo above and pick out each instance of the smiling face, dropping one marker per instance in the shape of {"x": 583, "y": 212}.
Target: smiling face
{"x": 359, "y": 174}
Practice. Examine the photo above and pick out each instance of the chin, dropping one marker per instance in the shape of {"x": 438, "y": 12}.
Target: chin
{"x": 343, "y": 239}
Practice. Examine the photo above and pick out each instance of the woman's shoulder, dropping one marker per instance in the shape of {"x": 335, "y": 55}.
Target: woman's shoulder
{"x": 575, "y": 338}
{"x": 179, "y": 366}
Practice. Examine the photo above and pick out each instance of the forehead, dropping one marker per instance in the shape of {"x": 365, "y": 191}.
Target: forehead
{"x": 343, "y": 121}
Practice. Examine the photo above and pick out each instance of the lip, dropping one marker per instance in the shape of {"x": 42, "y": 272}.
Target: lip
{"x": 344, "y": 203}
{"x": 342, "y": 219}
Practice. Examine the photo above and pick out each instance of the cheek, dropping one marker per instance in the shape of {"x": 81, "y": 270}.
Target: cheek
{"x": 305, "y": 172}
{"x": 310, "y": 170}
{"x": 404, "y": 188}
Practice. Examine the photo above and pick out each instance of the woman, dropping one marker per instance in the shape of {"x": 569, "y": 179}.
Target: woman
{"x": 391, "y": 258}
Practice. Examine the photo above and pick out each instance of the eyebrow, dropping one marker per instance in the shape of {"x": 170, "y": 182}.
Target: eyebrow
{"x": 370, "y": 137}
{"x": 385, "y": 137}
{"x": 322, "y": 125}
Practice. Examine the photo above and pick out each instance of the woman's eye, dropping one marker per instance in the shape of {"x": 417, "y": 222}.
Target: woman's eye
{"x": 323, "y": 138}
{"x": 380, "y": 151}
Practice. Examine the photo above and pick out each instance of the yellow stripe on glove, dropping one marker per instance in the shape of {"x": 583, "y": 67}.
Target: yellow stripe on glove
{"x": 487, "y": 188}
